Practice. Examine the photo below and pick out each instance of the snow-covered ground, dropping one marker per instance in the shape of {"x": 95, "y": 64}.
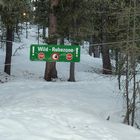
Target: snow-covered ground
{"x": 33, "y": 109}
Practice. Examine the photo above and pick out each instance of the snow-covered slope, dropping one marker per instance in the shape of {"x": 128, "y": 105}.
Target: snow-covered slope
{"x": 33, "y": 109}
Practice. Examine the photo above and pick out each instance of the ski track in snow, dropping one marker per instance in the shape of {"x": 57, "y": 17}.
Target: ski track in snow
{"x": 38, "y": 115}
{"x": 61, "y": 125}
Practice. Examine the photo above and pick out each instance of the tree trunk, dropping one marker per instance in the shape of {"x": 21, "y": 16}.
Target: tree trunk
{"x": 134, "y": 66}
{"x": 106, "y": 60}
{"x": 97, "y": 51}
{"x": 91, "y": 50}
{"x": 127, "y": 91}
{"x": 116, "y": 60}
{"x": 72, "y": 72}
{"x": 26, "y": 29}
{"x": 38, "y": 28}
{"x": 9, "y": 36}
{"x": 50, "y": 70}
{"x": 107, "y": 69}
{"x": 44, "y": 32}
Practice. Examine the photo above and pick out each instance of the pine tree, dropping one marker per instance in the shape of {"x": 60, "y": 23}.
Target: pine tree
{"x": 50, "y": 69}
{"x": 71, "y": 19}
{"x": 41, "y": 14}
{"x": 10, "y": 14}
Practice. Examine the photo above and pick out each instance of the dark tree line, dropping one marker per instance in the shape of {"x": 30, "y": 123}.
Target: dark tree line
{"x": 96, "y": 21}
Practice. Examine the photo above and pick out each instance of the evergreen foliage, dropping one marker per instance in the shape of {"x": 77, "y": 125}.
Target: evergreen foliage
{"x": 11, "y": 14}
{"x": 41, "y": 13}
{"x": 71, "y": 19}
{"x": 12, "y": 11}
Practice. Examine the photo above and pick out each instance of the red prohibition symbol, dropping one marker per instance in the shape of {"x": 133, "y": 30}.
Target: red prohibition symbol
{"x": 41, "y": 55}
{"x": 69, "y": 56}
{"x": 55, "y": 56}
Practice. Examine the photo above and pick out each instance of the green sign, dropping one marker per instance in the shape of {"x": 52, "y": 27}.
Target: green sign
{"x": 55, "y": 53}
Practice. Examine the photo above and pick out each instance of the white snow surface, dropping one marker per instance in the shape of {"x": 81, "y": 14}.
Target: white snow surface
{"x": 33, "y": 109}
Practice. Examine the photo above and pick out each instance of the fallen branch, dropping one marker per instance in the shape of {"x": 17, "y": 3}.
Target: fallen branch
{"x": 19, "y": 48}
